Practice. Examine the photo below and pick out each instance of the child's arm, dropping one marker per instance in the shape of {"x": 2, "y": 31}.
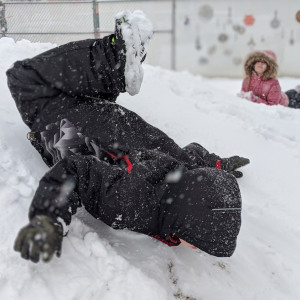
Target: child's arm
{"x": 245, "y": 85}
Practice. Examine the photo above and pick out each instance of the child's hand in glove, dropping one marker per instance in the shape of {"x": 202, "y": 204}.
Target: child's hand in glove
{"x": 248, "y": 96}
{"x": 232, "y": 163}
{"x": 42, "y": 236}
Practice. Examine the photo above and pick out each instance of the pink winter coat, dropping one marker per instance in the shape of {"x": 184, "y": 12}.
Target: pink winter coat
{"x": 265, "y": 91}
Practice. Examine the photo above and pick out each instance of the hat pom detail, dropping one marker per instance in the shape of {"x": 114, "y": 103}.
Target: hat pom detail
{"x": 271, "y": 54}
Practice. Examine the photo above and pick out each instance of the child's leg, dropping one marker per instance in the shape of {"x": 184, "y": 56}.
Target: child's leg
{"x": 67, "y": 75}
{"x": 291, "y": 93}
{"x": 294, "y": 98}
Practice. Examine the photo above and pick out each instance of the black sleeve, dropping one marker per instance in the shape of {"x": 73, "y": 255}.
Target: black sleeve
{"x": 71, "y": 183}
{"x": 93, "y": 68}
{"x": 107, "y": 192}
{"x": 201, "y": 156}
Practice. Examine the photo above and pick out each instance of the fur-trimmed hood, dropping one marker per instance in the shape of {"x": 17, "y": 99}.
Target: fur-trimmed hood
{"x": 253, "y": 57}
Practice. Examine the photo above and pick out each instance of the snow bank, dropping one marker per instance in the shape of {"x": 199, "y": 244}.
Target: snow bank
{"x": 100, "y": 263}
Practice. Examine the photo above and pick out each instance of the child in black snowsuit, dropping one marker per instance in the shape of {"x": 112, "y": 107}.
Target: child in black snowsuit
{"x": 124, "y": 171}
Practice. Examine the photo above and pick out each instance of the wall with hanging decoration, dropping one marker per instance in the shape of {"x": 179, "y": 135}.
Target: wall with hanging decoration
{"x": 214, "y": 36}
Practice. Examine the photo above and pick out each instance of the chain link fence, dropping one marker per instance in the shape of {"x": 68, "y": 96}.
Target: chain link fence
{"x": 60, "y": 22}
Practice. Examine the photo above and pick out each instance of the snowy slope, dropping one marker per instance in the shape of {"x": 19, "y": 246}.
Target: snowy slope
{"x": 101, "y": 263}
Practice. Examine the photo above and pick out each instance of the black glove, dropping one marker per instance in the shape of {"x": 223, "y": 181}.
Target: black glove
{"x": 42, "y": 236}
{"x": 232, "y": 163}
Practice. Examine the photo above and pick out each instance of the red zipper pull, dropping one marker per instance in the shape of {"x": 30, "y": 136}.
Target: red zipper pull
{"x": 129, "y": 164}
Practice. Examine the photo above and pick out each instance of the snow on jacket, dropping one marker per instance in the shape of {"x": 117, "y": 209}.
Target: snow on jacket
{"x": 265, "y": 88}
{"x": 109, "y": 160}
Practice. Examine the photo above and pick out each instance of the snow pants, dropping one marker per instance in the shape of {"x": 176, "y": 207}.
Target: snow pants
{"x": 294, "y": 98}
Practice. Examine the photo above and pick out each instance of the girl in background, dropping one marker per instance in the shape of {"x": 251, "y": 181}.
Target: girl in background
{"x": 261, "y": 84}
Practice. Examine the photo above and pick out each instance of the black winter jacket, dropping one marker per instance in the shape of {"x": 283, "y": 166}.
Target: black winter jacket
{"x": 122, "y": 170}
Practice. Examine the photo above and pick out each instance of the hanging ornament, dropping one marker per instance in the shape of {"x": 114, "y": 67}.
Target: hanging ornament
{"x": 298, "y": 16}
{"x": 223, "y": 37}
{"x": 197, "y": 43}
{"x": 206, "y": 13}
{"x": 239, "y": 29}
{"x": 203, "y": 60}
{"x": 229, "y": 21}
{"x": 228, "y": 52}
{"x": 186, "y": 21}
{"x": 212, "y": 50}
{"x": 249, "y": 20}
{"x": 251, "y": 43}
{"x": 237, "y": 61}
{"x": 275, "y": 23}
{"x": 292, "y": 41}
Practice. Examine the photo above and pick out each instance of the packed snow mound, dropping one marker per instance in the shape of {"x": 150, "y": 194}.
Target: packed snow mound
{"x": 98, "y": 262}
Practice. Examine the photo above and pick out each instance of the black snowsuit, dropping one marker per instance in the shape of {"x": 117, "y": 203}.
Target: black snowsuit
{"x": 124, "y": 171}
{"x": 294, "y": 98}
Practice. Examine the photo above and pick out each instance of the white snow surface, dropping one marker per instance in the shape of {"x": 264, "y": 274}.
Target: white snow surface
{"x": 98, "y": 262}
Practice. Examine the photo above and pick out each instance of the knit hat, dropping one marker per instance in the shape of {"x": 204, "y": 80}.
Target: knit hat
{"x": 266, "y": 55}
{"x": 271, "y": 54}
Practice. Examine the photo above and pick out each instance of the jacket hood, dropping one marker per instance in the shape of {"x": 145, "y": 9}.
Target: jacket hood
{"x": 204, "y": 209}
{"x": 253, "y": 57}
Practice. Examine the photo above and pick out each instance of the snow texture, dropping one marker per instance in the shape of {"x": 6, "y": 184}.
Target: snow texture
{"x": 98, "y": 262}
{"x": 137, "y": 31}
{"x": 246, "y": 95}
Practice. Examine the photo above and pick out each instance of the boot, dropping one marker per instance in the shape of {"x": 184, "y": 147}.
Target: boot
{"x": 135, "y": 30}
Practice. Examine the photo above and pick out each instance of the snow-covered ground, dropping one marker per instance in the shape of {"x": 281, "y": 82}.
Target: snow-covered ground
{"x": 100, "y": 263}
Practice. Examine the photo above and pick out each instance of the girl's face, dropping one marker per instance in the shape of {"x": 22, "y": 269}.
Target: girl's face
{"x": 260, "y": 67}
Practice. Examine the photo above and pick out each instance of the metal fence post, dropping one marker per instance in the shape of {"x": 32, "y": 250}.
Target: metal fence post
{"x": 3, "y": 24}
{"x": 96, "y": 19}
{"x": 173, "y": 42}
